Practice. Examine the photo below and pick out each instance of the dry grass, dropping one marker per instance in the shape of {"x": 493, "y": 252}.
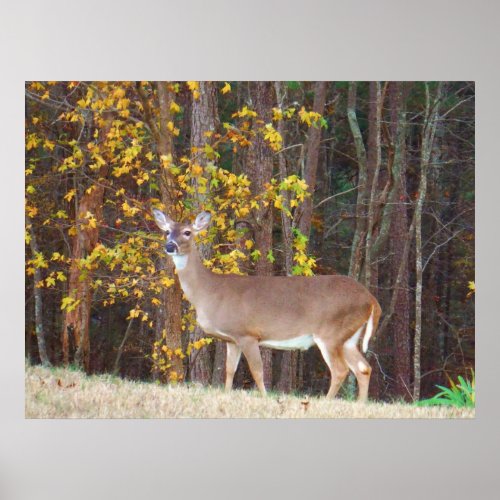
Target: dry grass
{"x": 60, "y": 393}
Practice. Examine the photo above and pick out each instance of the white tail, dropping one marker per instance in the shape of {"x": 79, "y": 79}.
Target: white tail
{"x": 368, "y": 332}
{"x": 281, "y": 312}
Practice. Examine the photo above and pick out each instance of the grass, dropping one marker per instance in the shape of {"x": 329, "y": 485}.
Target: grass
{"x": 62, "y": 393}
{"x": 458, "y": 394}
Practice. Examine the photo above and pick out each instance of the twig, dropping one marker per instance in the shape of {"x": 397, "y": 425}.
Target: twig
{"x": 335, "y": 195}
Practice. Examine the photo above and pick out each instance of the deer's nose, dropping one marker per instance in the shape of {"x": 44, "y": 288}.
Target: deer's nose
{"x": 171, "y": 247}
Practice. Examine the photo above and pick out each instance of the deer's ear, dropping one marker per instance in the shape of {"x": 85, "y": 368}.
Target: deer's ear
{"x": 162, "y": 220}
{"x": 202, "y": 221}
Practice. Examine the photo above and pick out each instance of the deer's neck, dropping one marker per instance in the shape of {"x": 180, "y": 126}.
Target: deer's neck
{"x": 193, "y": 276}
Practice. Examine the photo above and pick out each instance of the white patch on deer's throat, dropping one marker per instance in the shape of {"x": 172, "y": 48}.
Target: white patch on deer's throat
{"x": 303, "y": 343}
{"x": 353, "y": 341}
{"x": 180, "y": 261}
{"x": 324, "y": 352}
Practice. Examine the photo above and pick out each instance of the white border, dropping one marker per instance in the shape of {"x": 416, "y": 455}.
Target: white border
{"x": 237, "y": 40}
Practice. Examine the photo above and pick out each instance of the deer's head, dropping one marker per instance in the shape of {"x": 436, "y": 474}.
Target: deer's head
{"x": 180, "y": 236}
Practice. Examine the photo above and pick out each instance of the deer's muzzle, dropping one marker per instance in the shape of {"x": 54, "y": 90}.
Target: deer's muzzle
{"x": 171, "y": 248}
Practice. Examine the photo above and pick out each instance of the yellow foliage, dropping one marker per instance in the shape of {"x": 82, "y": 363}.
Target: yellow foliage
{"x": 273, "y": 137}
{"x": 277, "y": 114}
{"x": 174, "y": 107}
{"x": 166, "y": 281}
{"x": 194, "y": 88}
{"x": 309, "y": 117}
{"x": 134, "y": 313}
{"x": 196, "y": 170}
{"x": 69, "y": 304}
{"x": 119, "y": 93}
{"x": 245, "y": 111}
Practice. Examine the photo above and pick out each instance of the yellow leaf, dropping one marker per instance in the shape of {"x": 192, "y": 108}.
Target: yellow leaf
{"x": 134, "y": 313}
{"x": 70, "y": 194}
{"x": 277, "y": 114}
{"x": 167, "y": 282}
{"x": 174, "y": 107}
{"x": 119, "y": 93}
{"x": 172, "y": 128}
{"x": 150, "y": 156}
{"x": 196, "y": 170}
{"x": 61, "y": 214}
{"x": 226, "y": 88}
{"x": 248, "y": 244}
{"x": 32, "y": 141}
{"x": 69, "y": 303}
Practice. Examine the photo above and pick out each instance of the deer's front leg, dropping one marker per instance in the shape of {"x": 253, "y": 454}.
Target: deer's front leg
{"x": 233, "y": 355}
{"x": 250, "y": 348}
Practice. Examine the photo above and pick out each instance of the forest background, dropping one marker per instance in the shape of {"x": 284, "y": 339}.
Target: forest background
{"x": 370, "y": 179}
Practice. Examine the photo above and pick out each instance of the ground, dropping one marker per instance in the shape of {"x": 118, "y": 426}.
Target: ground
{"x": 62, "y": 393}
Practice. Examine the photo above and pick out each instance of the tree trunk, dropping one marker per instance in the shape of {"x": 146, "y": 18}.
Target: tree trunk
{"x": 360, "y": 231}
{"x": 430, "y": 124}
{"x": 204, "y": 120}
{"x": 373, "y": 168}
{"x": 39, "y": 330}
{"x": 259, "y": 169}
{"x": 170, "y": 316}
{"x": 312, "y": 154}
{"x": 76, "y": 321}
{"x": 400, "y": 324}
{"x": 288, "y": 365}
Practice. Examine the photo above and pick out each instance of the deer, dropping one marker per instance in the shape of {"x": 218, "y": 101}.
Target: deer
{"x": 334, "y": 312}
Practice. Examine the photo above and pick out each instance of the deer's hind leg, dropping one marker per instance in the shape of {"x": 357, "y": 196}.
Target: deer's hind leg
{"x": 360, "y": 367}
{"x": 334, "y": 358}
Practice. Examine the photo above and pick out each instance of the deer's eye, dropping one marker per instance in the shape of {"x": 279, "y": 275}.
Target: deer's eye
{"x": 187, "y": 233}
{"x": 167, "y": 232}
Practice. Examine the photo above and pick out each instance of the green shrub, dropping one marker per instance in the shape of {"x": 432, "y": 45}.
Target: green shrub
{"x": 461, "y": 394}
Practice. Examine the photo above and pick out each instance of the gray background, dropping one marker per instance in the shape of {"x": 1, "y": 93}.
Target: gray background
{"x": 238, "y": 40}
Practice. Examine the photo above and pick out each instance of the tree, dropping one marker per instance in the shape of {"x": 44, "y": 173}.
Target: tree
{"x": 400, "y": 324}
{"x": 204, "y": 124}
{"x": 259, "y": 168}
{"x": 431, "y": 120}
